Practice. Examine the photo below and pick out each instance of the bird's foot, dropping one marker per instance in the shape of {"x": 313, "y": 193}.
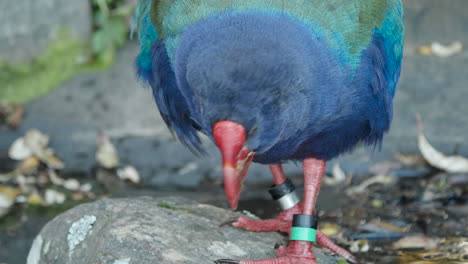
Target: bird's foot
{"x": 326, "y": 242}
{"x": 298, "y": 252}
{"x": 282, "y": 223}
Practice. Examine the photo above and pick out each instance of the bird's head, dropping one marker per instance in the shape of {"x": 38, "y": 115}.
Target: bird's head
{"x": 230, "y": 138}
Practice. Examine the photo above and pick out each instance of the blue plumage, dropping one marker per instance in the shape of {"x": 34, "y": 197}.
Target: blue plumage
{"x": 297, "y": 94}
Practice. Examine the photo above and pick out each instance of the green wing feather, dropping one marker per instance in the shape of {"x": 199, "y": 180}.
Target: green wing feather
{"x": 348, "y": 25}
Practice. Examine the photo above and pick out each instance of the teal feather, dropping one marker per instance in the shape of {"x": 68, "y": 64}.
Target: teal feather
{"x": 147, "y": 33}
{"x": 347, "y": 25}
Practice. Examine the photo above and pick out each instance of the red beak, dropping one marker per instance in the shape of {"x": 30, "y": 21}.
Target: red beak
{"x": 230, "y": 137}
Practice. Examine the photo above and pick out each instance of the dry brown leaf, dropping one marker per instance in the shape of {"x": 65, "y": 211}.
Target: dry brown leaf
{"x": 409, "y": 159}
{"x": 6, "y": 203}
{"x": 106, "y": 154}
{"x": 416, "y": 242}
{"x": 11, "y": 114}
{"x": 7, "y": 198}
{"x": 36, "y": 199}
{"x": 29, "y": 166}
{"x": 15, "y": 118}
{"x": 452, "y": 164}
{"x": 35, "y": 143}
{"x": 329, "y": 229}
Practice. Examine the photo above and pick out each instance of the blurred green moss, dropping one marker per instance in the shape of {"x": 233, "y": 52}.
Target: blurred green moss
{"x": 64, "y": 56}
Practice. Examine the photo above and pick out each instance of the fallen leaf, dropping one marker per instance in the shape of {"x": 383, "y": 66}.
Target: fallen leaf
{"x": 452, "y": 164}
{"x": 54, "y": 178}
{"x": 329, "y": 229}
{"x": 29, "y": 166}
{"x": 440, "y": 50}
{"x": 36, "y": 199}
{"x": 72, "y": 184}
{"x": 106, "y": 154}
{"x": 416, "y": 242}
{"x": 338, "y": 175}
{"x": 53, "y": 162}
{"x": 383, "y": 227}
{"x": 380, "y": 179}
{"x": 54, "y": 197}
{"x": 7, "y": 198}
{"x": 129, "y": 173}
{"x": 11, "y": 114}
{"x": 19, "y": 150}
{"x": 410, "y": 159}
{"x": 425, "y": 50}
{"x": 10, "y": 191}
{"x": 446, "y": 50}
{"x": 15, "y": 116}
{"x": 35, "y": 143}
{"x": 6, "y": 202}
{"x": 359, "y": 246}
{"x": 87, "y": 187}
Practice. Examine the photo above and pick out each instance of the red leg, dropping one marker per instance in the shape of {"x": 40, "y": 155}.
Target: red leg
{"x": 282, "y": 222}
{"x": 297, "y": 252}
{"x": 326, "y": 242}
{"x": 278, "y": 174}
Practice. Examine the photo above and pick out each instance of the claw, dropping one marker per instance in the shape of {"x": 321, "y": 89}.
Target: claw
{"x": 278, "y": 245}
{"x": 229, "y": 222}
{"x": 227, "y": 261}
{"x": 352, "y": 260}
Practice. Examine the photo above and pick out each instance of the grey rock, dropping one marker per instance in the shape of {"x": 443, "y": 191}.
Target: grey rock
{"x": 145, "y": 230}
{"x": 26, "y": 26}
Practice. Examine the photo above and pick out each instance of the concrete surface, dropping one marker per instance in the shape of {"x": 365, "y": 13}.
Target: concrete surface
{"x": 26, "y": 26}
{"x": 114, "y": 102}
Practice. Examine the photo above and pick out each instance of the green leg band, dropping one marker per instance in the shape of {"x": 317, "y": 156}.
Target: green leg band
{"x": 303, "y": 234}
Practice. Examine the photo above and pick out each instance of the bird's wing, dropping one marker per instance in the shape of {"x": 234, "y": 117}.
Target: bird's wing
{"x": 155, "y": 68}
{"x": 143, "y": 26}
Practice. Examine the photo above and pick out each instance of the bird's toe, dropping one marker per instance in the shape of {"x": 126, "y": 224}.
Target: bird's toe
{"x": 227, "y": 261}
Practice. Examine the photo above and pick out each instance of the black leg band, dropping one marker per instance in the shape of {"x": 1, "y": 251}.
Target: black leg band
{"x": 285, "y": 194}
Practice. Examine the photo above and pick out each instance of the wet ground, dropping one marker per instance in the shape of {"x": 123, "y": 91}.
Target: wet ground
{"x": 430, "y": 210}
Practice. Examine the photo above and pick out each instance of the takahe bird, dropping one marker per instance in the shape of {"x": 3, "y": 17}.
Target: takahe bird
{"x": 270, "y": 81}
